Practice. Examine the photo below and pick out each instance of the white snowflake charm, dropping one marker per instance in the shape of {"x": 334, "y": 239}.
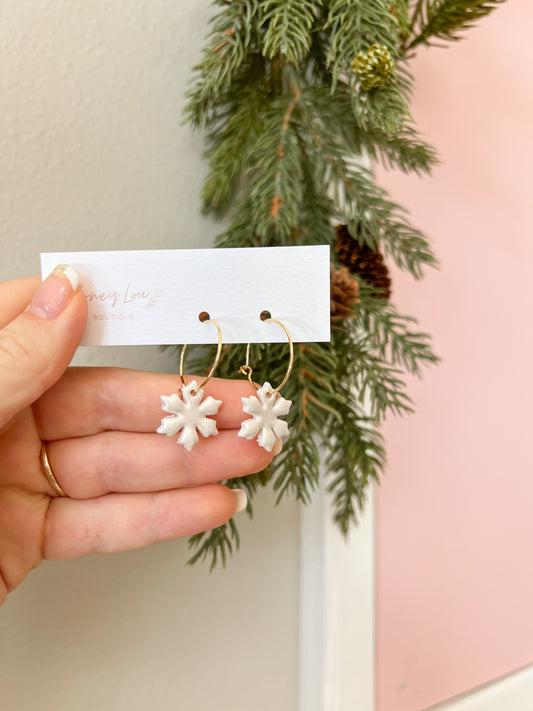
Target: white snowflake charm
{"x": 265, "y": 410}
{"x": 189, "y": 414}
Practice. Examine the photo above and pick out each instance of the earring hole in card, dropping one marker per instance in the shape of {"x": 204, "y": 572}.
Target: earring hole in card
{"x": 203, "y": 316}
{"x": 264, "y": 315}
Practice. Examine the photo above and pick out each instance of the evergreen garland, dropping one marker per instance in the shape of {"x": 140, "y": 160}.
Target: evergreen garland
{"x": 294, "y": 97}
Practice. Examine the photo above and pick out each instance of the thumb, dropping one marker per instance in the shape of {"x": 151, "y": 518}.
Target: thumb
{"x": 36, "y": 348}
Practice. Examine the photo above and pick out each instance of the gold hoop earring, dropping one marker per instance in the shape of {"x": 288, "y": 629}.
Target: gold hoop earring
{"x": 188, "y": 412}
{"x": 268, "y": 406}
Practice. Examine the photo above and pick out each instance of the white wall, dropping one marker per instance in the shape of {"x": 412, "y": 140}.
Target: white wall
{"x": 93, "y": 155}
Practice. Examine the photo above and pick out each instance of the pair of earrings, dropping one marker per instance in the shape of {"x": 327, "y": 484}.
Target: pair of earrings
{"x": 190, "y": 412}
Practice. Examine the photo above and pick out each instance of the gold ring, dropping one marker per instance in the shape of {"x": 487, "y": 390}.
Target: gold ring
{"x": 47, "y": 471}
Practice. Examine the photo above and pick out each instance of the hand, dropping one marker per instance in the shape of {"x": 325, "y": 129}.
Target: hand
{"x": 125, "y": 485}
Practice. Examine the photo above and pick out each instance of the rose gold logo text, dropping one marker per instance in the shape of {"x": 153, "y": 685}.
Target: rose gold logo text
{"x": 130, "y": 295}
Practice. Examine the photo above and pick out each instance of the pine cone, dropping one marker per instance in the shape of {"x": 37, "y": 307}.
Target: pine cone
{"x": 373, "y": 66}
{"x": 363, "y": 261}
{"x": 344, "y": 294}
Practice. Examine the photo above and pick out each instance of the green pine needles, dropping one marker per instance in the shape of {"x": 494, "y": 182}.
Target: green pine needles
{"x": 289, "y": 129}
{"x": 445, "y": 19}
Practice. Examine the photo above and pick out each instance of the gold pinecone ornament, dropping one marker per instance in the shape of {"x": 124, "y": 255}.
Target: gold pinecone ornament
{"x": 344, "y": 294}
{"x": 373, "y": 66}
{"x": 362, "y": 260}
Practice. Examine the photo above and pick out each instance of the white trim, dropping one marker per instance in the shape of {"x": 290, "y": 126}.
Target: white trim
{"x": 511, "y": 693}
{"x": 336, "y": 611}
{"x": 312, "y": 606}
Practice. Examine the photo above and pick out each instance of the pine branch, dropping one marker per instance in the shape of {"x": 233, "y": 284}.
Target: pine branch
{"x": 231, "y": 144}
{"x": 382, "y": 222}
{"x": 276, "y": 174}
{"x": 316, "y": 210}
{"x": 446, "y": 19}
{"x": 356, "y": 457}
{"x": 354, "y": 27}
{"x": 391, "y": 335}
{"x": 216, "y": 546}
{"x": 288, "y": 24}
{"x": 241, "y": 231}
{"x": 400, "y": 10}
{"x": 366, "y": 209}
{"x": 378, "y": 384}
{"x": 226, "y": 55}
{"x": 316, "y": 402}
{"x": 403, "y": 149}
{"x": 296, "y": 470}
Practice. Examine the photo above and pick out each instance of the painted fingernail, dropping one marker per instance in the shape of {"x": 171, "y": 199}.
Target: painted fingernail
{"x": 54, "y": 293}
{"x": 278, "y": 446}
{"x": 241, "y": 499}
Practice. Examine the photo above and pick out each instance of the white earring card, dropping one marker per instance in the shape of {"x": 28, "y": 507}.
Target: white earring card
{"x": 147, "y": 297}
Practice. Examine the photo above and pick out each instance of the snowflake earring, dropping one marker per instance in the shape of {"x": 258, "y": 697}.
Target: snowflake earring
{"x": 268, "y": 405}
{"x": 189, "y": 412}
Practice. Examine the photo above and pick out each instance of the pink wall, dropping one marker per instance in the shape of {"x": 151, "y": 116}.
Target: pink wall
{"x": 455, "y": 512}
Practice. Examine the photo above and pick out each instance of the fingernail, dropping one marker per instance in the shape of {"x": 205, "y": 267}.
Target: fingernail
{"x": 54, "y": 293}
{"x": 278, "y": 446}
{"x": 241, "y": 499}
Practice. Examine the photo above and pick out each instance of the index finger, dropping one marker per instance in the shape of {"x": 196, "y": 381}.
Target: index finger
{"x": 86, "y": 401}
{"x": 15, "y": 295}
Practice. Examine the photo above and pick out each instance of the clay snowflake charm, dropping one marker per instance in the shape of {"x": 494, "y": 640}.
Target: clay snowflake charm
{"x": 265, "y": 410}
{"x": 189, "y": 414}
